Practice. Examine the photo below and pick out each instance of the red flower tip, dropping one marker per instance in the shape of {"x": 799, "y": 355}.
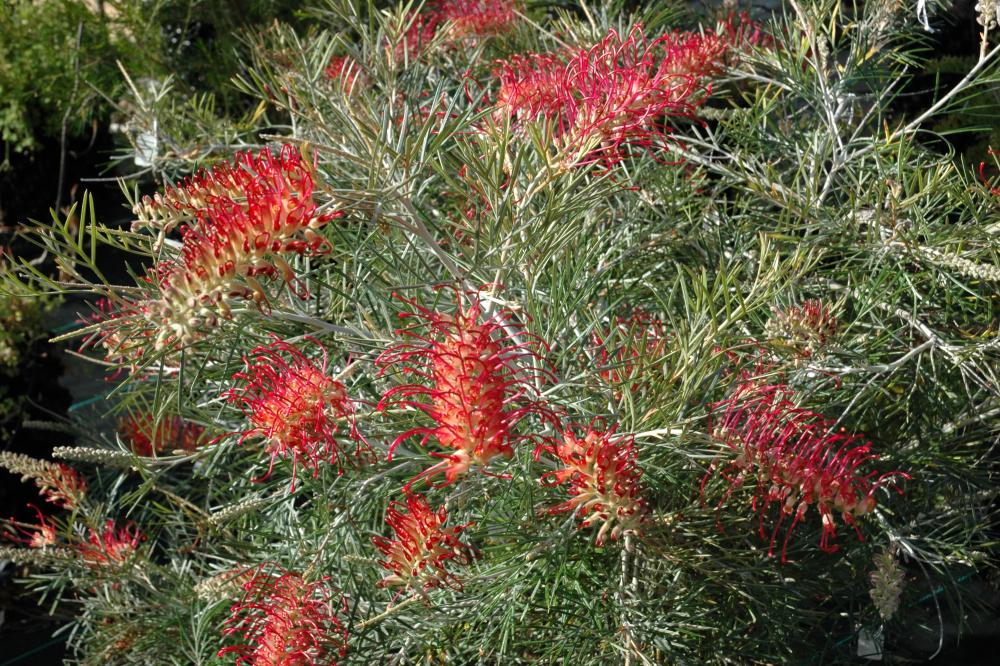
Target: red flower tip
{"x": 478, "y": 376}
{"x": 797, "y": 460}
{"x": 61, "y": 485}
{"x": 296, "y": 408}
{"x": 110, "y": 546}
{"x": 284, "y": 620}
{"x": 422, "y": 545}
{"x": 148, "y": 436}
{"x": 603, "y": 480}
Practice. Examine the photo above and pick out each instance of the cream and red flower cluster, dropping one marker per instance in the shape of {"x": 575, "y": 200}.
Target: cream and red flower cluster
{"x": 296, "y": 409}
{"x": 620, "y": 95}
{"x": 239, "y": 222}
{"x": 603, "y": 479}
{"x": 285, "y": 620}
{"x": 423, "y": 543}
{"x": 803, "y": 329}
{"x": 796, "y": 459}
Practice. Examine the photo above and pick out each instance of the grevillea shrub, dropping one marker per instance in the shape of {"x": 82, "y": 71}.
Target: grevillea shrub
{"x": 508, "y": 336}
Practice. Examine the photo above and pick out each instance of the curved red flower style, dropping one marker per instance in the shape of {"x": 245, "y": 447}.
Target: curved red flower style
{"x": 147, "y": 436}
{"x": 603, "y": 480}
{"x": 40, "y": 535}
{"x": 110, "y": 546}
{"x": 284, "y": 620}
{"x": 797, "y": 461}
{"x": 422, "y": 545}
{"x": 295, "y": 408}
{"x": 477, "y": 374}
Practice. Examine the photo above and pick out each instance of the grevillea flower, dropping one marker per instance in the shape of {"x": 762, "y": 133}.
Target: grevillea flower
{"x": 466, "y": 20}
{"x": 58, "y": 483}
{"x": 803, "y": 329}
{"x": 110, "y": 546}
{"x": 285, "y": 620}
{"x": 41, "y": 535}
{"x": 603, "y": 478}
{"x": 618, "y": 94}
{"x": 296, "y": 408}
{"x": 477, "y": 374}
{"x": 345, "y": 70}
{"x": 146, "y": 435}
{"x": 705, "y": 55}
{"x": 475, "y": 18}
{"x": 626, "y": 349}
{"x": 600, "y": 101}
{"x": 797, "y": 461}
{"x": 422, "y": 545}
{"x": 245, "y": 220}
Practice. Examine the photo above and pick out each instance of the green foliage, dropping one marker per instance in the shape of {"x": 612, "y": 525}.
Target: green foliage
{"x": 801, "y": 182}
{"x": 22, "y": 329}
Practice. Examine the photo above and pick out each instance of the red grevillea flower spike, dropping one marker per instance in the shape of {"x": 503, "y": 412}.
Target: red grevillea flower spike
{"x": 603, "y": 478}
{"x": 478, "y": 375}
{"x": 602, "y": 100}
{"x": 422, "y": 545}
{"x": 147, "y": 436}
{"x": 284, "y": 620}
{"x": 110, "y": 546}
{"x": 797, "y": 461}
{"x": 246, "y": 222}
{"x": 296, "y": 409}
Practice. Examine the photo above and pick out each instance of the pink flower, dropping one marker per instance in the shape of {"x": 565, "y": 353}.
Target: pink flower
{"x": 476, "y": 373}
{"x": 416, "y": 557}
{"x": 147, "y": 436}
{"x": 797, "y": 461}
{"x": 110, "y": 546}
{"x": 603, "y": 478}
{"x": 284, "y": 620}
{"x": 296, "y": 408}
